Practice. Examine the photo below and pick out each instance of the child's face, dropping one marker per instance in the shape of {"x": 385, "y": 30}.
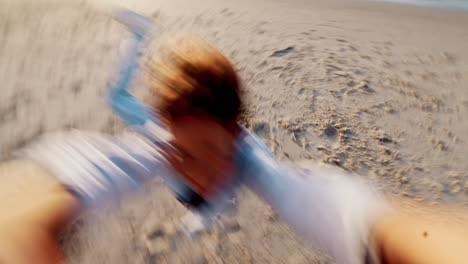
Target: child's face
{"x": 205, "y": 156}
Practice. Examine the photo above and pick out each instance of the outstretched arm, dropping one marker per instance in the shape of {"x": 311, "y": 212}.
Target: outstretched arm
{"x": 344, "y": 217}
{"x": 134, "y": 112}
{"x": 323, "y": 206}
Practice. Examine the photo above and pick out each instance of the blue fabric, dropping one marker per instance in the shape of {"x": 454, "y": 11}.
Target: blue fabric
{"x": 131, "y": 110}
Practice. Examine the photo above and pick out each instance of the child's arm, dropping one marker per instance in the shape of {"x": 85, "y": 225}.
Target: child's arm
{"x": 344, "y": 217}
{"x": 134, "y": 112}
{"x": 96, "y": 167}
{"x": 130, "y": 109}
{"x": 328, "y": 208}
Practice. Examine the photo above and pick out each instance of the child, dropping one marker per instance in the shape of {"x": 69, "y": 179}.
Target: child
{"x": 188, "y": 136}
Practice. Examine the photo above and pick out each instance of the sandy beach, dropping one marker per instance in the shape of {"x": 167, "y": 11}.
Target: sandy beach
{"x": 377, "y": 89}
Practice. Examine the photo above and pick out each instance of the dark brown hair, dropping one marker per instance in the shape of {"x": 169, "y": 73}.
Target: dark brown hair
{"x": 188, "y": 75}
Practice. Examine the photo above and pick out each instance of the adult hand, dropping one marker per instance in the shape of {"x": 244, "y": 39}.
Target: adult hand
{"x": 35, "y": 208}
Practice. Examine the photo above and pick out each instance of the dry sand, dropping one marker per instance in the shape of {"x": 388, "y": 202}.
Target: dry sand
{"x": 377, "y": 89}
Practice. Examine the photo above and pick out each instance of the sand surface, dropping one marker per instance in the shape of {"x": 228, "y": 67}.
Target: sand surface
{"x": 374, "y": 88}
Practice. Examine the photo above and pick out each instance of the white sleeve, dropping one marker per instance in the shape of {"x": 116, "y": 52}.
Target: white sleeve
{"x": 98, "y": 167}
{"x": 332, "y": 210}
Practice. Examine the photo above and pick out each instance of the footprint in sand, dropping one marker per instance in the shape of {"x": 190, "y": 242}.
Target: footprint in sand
{"x": 330, "y": 133}
{"x": 282, "y": 52}
{"x": 301, "y": 138}
{"x": 261, "y": 129}
{"x": 160, "y": 240}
